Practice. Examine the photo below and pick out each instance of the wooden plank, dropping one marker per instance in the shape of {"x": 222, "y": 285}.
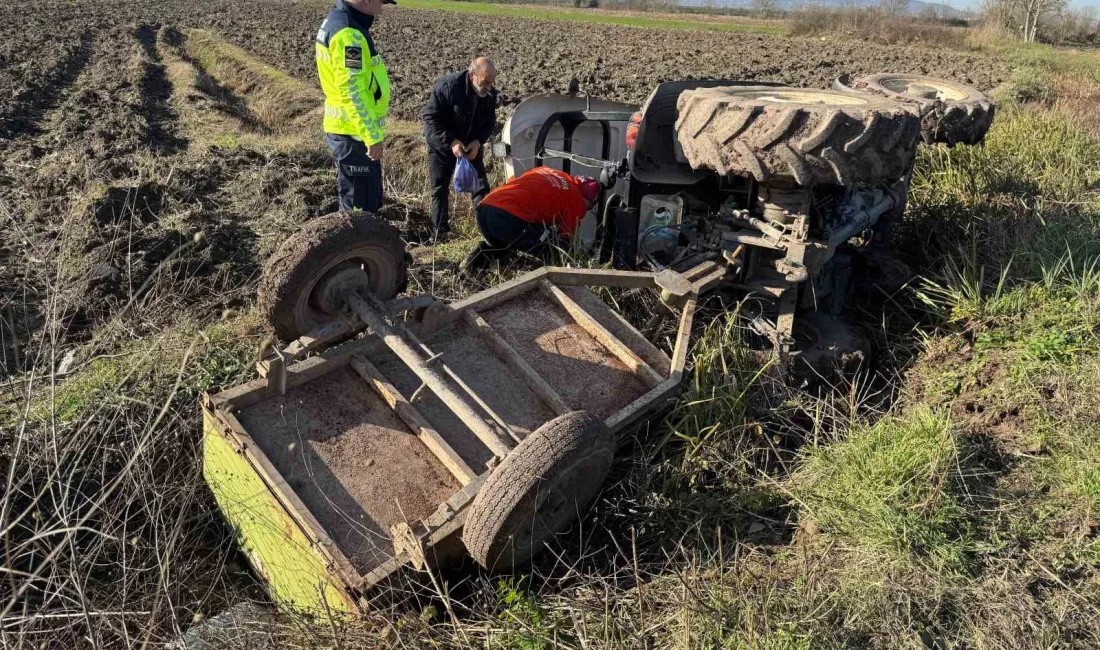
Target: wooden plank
{"x": 708, "y": 281}
{"x": 683, "y": 338}
{"x": 288, "y": 497}
{"x": 299, "y": 373}
{"x": 261, "y": 389}
{"x": 484, "y": 300}
{"x": 508, "y": 354}
{"x": 380, "y": 573}
{"x": 673, "y": 283}
{"x": 330, "y": 331}
{"x": 645, "y": 372}
{"x": 415, "y": 421}
{"x": 563, "y": 276}
{"x": 592, "y": 304}
{"x": 297, "y": 572}
{"x": 703, "y": 268}
{"x": 446, "y": 521}
{"x": 654, "y": 400}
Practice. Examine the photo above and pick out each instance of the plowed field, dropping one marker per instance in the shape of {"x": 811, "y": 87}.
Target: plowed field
{"x": 109, "y": 163}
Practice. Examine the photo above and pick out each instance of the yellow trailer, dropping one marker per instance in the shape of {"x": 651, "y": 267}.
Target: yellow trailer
{"x": 481, "y": 427}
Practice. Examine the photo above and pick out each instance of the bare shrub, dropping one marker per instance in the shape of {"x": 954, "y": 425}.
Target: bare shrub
{"x": 876, "y": 25}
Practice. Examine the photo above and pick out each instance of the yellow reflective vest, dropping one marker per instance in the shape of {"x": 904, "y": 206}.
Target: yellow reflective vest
{"x": 353, "y": 76}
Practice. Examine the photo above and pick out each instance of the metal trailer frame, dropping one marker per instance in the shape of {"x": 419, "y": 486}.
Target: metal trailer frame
{"x": 294, "y": 554}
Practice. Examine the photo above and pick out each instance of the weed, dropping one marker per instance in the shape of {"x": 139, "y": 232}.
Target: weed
{"x": 891, "y": 489}
{"x": 874, "y": 25}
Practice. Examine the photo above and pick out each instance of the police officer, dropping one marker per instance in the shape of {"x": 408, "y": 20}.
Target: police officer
{"x": 458, "y": 119}
{"x": 357, "y": 99}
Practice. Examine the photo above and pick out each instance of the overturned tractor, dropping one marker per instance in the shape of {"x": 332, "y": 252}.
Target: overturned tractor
{"x": 786, "y": 194}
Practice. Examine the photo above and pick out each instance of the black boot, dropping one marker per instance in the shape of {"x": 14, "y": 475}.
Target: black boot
{"x": 481, "y": 256}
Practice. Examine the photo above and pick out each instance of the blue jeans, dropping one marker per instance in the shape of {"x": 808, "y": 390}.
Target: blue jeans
{"x": 358, "y": 178}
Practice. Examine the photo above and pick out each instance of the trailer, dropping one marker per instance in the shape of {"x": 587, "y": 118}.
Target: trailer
{"x": 341, "y": 468}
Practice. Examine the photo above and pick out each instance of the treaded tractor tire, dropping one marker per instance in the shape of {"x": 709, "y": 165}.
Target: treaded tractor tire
{"x": 289, "y": 277}
{"x": 951, "y": 113}
{"x": 808, "y": 136}
{"x": 538, "y": 490}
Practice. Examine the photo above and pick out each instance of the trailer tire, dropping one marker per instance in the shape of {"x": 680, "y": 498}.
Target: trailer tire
{"x": 286, "y": 292}
{"x": 806, "y": 136}
{"x": 956, "y": 114}
{"x": 538, "y": 490}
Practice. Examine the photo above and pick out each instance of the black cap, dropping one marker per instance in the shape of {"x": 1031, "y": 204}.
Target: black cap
{"x": 389, "y": 2}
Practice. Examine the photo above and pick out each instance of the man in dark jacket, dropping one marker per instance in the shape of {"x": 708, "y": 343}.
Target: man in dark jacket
{"x": 458, "y": 119}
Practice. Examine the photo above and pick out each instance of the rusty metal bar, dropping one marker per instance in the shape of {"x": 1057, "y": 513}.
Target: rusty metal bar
{"x": 372, "y": 312}
{"x": 413, "y": 419}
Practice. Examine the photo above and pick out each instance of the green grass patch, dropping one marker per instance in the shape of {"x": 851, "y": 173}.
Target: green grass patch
{"x": 891, "y": 489}
{"x": 267, "y": 96}
{"x": 602, "y": 18}
{"x": 145, "y": 372}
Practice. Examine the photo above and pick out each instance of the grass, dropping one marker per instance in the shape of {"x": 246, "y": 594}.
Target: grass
{"x": 893, "y": 488}
{"x": 595, "y": 17}
{"x": 268, "y": 98}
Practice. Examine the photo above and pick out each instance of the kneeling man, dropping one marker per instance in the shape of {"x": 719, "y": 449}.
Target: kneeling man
{"x": 524, "y": 213}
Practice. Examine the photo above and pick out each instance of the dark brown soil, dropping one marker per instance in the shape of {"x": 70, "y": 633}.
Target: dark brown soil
{"x": 620, "y": 63}
{"x": 354, "y": 464}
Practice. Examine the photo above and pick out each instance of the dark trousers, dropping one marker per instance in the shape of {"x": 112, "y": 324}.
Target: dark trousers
{"x": 358, "y": 178}
{"x": 441, "y": 168}
{"x": 506, "y": 232}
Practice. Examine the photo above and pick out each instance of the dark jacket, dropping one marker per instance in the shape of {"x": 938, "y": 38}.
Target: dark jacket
{"x": 455, "y": 112}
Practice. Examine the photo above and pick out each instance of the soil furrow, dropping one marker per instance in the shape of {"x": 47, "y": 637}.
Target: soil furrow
{"x": 156, "y": 93}
{"x": 41, "y": 86}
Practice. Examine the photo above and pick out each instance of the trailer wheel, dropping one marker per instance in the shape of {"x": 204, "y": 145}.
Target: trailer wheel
{"x": 299, "y": 286}
{"x": 538, "y": 490}
{"x": 951, "y": 113}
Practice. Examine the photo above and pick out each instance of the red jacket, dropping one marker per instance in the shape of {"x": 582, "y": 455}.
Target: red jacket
{"x": 542, "y": 195}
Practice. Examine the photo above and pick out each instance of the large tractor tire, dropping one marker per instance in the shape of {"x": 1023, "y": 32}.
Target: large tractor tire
{"x": 808, "y": 136}
{"x": 336, "y": 252}
{"x": 951, "y": 113}
{"x": 538, "y": 490}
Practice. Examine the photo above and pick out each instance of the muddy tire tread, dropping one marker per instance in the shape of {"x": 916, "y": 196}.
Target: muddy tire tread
{"x": 947, "y": 122}
{"x": 508, "y": 494}
{"x": 292, "y": 265}
{"x": 809, "y": 143}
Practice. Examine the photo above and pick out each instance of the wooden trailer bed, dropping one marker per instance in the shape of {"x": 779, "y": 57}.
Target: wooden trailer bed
{"x": 338, "y": 470}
